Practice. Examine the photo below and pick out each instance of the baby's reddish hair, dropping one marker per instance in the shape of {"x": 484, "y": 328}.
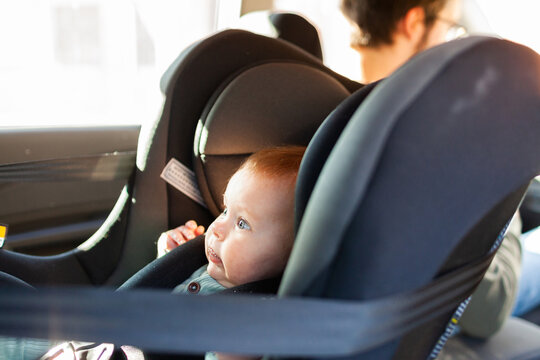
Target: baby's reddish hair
{"x": 275, "y": 162}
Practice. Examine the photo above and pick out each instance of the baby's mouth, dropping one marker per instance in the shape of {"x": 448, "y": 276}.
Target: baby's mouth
{"x": 213, "y": 256}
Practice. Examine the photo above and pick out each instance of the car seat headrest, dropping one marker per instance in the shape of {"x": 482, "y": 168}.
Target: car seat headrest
{"x": 264, "y": 105}
{"x": 290, "y": 27}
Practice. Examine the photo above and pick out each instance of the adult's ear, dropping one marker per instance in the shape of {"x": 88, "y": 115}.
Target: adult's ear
{"x": 412, "y": 26}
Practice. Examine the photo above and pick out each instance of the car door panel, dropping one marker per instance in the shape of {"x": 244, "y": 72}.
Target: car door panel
{"x": 58, "y": 185}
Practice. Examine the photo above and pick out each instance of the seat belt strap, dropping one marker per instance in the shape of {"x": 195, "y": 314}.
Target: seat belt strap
{"x": 161, "y": 322}
{"x": 452, "y": 324}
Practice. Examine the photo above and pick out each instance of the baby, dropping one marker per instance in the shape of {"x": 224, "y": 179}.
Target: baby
{"x": 252, "y": 239}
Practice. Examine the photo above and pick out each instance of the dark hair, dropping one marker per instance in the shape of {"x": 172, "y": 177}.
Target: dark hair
{"x": 375, "y": 20}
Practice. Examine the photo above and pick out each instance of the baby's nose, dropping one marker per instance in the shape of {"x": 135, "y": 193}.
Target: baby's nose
{"x": 217, "y": 229}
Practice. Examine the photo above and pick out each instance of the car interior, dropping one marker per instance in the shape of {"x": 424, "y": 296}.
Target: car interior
{"x": 416, "y": 175}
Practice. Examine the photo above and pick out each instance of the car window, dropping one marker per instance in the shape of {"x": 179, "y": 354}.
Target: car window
{"x": 515, "y": 20}
{"x": 92, "y": 62}
{"x": 97, "y": 62}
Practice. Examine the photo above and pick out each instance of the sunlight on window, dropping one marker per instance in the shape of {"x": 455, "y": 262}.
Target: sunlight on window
{"x": 98, "y": 62}
{"x": 516, "y": 20}
{"x": 92, "y": 62}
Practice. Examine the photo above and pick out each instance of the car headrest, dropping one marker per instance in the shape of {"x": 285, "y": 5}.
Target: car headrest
{"x": 265, "y": 105}
{"x": 390, "y": 213}
{"x": 290, "y": 27}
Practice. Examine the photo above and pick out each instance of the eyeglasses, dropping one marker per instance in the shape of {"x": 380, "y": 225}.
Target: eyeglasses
{"x": 455, "y": 30}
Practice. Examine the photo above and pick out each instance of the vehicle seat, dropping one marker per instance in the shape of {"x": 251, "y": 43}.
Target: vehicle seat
{"x": 290, "y": 27}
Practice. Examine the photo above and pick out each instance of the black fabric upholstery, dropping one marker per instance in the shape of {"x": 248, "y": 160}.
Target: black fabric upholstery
{"x": 171, "y": 270}
{"x": 320, "y": 147}
{"x": 39, "y": 270}
{"x": 10, "y": 280}
{"x": 460, "y": 147}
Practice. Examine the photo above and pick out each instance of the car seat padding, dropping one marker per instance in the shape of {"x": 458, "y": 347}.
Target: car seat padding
{"x": 281, "y": 110}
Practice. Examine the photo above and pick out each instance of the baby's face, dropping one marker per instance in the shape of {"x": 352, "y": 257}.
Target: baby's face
{"x": 251, "y": 240}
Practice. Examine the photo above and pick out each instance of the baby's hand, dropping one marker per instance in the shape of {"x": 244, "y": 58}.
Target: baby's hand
{"x": 172, "y": 238}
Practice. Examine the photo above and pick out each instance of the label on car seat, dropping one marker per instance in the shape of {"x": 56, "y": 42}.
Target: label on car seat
{"x": 3, "y": 234}
{"x": 183, "y": 179}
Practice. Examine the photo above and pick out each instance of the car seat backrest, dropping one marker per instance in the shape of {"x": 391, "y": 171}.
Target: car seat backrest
{"x": 290, "y": 27}
{"x": 197, "y": 77}
{"x": 265, "y": 105}
{"x": 460, "y": 150}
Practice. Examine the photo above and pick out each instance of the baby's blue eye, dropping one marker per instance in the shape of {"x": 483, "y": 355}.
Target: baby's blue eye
{"x": 224, "y": 212}
{"x": 243, "y": 225}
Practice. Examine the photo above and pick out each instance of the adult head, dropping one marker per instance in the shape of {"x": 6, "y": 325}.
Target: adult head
{"x": 387, "y": 33}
